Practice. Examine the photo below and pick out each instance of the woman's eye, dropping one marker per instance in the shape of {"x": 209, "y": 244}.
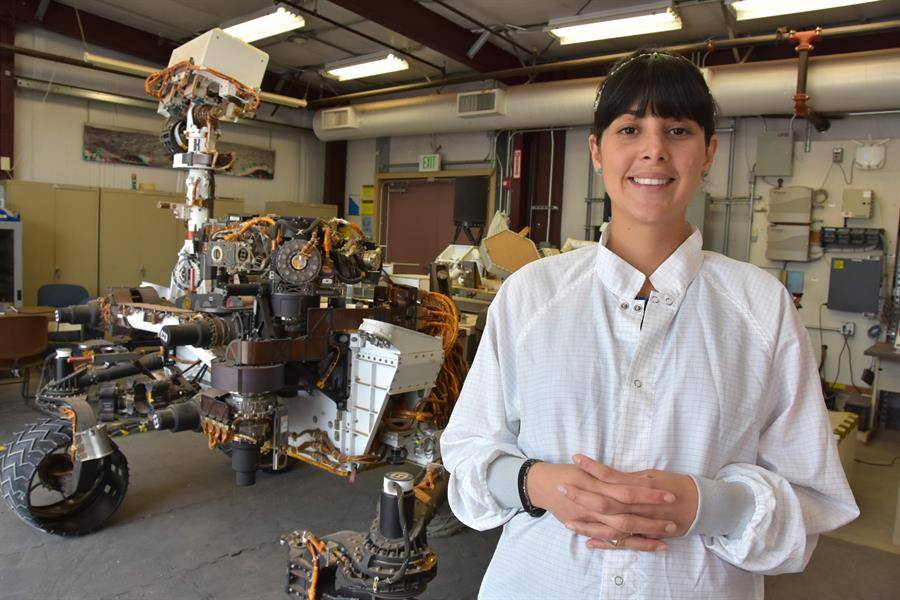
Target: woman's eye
{"x": 628, "y": 130}
{"x": 679, "y": 131}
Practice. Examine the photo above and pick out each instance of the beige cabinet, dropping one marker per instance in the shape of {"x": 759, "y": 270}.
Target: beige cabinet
{"x": 59, "y": 234}
{"x": 228, "y": 206}
{"x": 138, "y": 241}
{"x": 300, "y": 209}
{"x": 98, "y": 238}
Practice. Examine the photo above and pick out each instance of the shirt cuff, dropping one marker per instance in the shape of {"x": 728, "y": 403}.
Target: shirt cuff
{"x": 503, "y": 480}
{"x": 723, "y": 508}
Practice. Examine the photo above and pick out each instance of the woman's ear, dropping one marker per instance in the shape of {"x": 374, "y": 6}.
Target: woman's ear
{"x": 710, "y": 153}
{"x": 594, "y": 147}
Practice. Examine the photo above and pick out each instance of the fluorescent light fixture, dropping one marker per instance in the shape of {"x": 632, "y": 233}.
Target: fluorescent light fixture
{"x": 265, "y": 23}
{"x": 638, "y": 20}
{"x": 758, "y": 9}
{"x": 365, "y": 66}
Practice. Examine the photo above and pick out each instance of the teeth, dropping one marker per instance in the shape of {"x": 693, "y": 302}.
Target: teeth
{"x": 648, "y": 181}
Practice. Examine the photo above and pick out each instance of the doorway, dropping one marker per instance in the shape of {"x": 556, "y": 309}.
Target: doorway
{"x": 416, "y": 222}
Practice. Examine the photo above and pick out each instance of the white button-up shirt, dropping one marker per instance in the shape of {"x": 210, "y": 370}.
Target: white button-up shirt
{"x": 716, "y": 378}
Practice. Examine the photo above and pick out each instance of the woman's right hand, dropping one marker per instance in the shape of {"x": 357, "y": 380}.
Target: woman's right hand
{"x": 612, "y": 516}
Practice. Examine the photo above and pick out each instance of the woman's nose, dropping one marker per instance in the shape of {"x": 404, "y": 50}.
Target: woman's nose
{"x": 655, "y": 149}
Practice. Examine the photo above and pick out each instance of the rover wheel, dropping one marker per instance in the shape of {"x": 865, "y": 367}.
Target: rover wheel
{"x": 33, "y": 475}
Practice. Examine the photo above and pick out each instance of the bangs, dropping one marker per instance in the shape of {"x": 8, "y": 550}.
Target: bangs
{"x": 665, "y": 85}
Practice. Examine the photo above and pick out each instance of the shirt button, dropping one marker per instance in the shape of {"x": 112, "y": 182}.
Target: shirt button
{"x": 619, "y": 581}
{"x": 624, "y": 306}
{"x": 669, "y": 301}
{"x": 655, "y": 300}
{"x": 637, "y": 383}
{"x": 638, "y": 307}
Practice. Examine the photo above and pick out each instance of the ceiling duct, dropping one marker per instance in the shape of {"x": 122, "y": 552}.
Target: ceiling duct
{"x": 840, "y": 83}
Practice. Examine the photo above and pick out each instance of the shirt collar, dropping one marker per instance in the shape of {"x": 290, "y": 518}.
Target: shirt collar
{"x": 672, "y": 277}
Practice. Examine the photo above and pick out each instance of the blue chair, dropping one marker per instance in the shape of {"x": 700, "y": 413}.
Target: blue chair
{"x": 60, "y": 295}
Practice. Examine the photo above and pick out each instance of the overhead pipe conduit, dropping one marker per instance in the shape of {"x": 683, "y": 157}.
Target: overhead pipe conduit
{"x": 779, "y": 37}
{"x": 839, "y": 83}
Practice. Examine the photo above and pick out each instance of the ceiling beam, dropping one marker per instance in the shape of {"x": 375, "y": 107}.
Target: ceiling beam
{"x": 100, "y": 31}
{"x": 412, "y": 20}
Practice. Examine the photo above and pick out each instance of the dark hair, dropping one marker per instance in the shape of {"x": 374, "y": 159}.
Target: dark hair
{"x": 667, "y": 84}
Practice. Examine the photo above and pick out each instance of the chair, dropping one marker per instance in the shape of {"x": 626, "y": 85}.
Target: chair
{"x": 60, "y": 295}
{"x": 23, "y": 340}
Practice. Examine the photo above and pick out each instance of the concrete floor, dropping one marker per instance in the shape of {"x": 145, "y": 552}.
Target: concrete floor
{"x": 185, "y": 531}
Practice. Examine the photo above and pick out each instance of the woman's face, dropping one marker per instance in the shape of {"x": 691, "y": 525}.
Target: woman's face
{"x": 652, "y": 166}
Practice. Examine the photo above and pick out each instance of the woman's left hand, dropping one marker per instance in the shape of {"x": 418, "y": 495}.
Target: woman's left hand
{"x": 681, "y": 512}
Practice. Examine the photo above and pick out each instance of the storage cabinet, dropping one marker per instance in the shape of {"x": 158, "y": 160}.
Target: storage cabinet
{"x": 228, "y": 206}
{"x": 299, "y": 209}
{"x": 59, "y": 234}
{"x": 138, "y": 241}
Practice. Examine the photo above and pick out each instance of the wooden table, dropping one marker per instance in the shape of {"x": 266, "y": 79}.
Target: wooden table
{"x": 46, "y": 312}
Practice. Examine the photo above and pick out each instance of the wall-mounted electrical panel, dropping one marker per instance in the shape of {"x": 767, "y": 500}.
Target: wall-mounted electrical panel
{"x": 854, "y": 284}
{"x": 775, "y": 154}
{"x": 788, "y": 242}
{"x": 790, "y": 205}
{"x": 857, "y": 204}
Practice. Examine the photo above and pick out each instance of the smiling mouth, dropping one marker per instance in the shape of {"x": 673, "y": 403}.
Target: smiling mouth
{"x": 651, "y": 181}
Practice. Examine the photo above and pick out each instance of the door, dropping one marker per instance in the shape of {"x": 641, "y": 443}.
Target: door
{"x": 417, "y": 222}
{"x": 77, "y": 219}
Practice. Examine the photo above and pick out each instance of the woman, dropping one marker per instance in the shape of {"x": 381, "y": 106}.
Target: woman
{"x": 643, "y": 417}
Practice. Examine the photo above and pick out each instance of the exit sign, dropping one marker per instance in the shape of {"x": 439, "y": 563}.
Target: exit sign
{"x": 430, "y": 162}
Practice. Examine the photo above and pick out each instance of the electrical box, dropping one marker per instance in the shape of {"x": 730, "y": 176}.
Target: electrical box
{"x": 855, "y": 284}
{"x": 857, "y": 204}
{"x": 793, "y": 281}
{"x": 788, "y": 242}
{"x": 790, "y": 205}
{"x": 775, "y": 154}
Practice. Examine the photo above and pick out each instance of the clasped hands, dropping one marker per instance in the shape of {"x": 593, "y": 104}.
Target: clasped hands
{"x": 612, "y": 508}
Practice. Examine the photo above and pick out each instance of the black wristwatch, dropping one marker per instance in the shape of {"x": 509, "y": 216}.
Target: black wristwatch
{"x": 527, "y": 506}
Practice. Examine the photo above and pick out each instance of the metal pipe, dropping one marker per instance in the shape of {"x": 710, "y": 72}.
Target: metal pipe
{"x": 38, "y": 85}
{"x": 589, "y": 201}
{"x": 550, "y": 186}
{"x": 509, "y": 170}
{"x": 499, "y": 34}
{"x": 66, "y": 60}
{"x": 729, "y": 186}
{"x": 750, "y": 216}
{"x": 362, "y": 35}
{"x": 733, "y": 201}
{"x": 866, "y": 113}
{"x": 593, "y": 61}
{"x": 128, "y": 69}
